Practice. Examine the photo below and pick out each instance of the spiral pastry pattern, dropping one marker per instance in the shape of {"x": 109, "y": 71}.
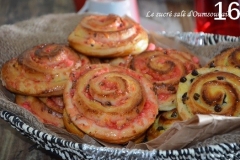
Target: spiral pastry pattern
{"x": 54, "y": 102}
{"x": 40, "y": 110}
{"x": 228, "y": 57}
{"x": 209, "y": 91}
{"x": 111, "y": 103}
{"x": 70, "y": 126}
{"x": 108, "y": 36}
{"x": 163, "y": 122}
{"x": 44, "y": 67}
{"x": 164, "y": 68}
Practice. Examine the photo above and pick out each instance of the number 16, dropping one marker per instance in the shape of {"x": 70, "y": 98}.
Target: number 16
{"x": 230, "y": 10}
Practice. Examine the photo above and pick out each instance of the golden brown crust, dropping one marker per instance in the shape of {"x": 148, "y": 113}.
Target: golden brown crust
{"x": 70, "y": 127}
{"x": 164, "y": 68}
{"x": 108, "y": 36}
{"x": 210, "y": 91}
{"x": 54, "y": 102}
{"x": 227, "y": 57}
{"x": 162, "y": 123}
{"x": 140, "y": 139}
{"x": 41, "y": 70}
{"x": 40, "y": 110}
{"x": 113, "y": 104}
{"x": 119, "y": 61}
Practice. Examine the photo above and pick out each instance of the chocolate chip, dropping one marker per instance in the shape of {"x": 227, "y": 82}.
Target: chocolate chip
{"x": 196, "y": 96}
{"x": 220, "y": 78}
{"x": 194, "y": 72}
{"x": 160, "y": 128}
{"x": 183, "y": 79}
{"x": 211, "y": 65}
{"x": 217, "y": 108}
{"x": 184, "y": 97}
{"x": 174, "y": 115}
{"x": 191, "y": 80}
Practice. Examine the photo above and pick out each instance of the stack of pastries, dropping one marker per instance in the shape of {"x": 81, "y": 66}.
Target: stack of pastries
{"x": 109, "y": 83}
{"x": 38, "y": 77}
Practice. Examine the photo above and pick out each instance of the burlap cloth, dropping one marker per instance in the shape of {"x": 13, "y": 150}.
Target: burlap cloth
{"x": 55, "y": 28}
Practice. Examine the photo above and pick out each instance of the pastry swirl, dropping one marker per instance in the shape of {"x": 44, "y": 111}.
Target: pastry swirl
{"x": 54, "y": 102}
{"x": 164, "y": 68}
{"x": 227, "y": 57}
{"x": 209, "y": 91}
{"x": 70, "y": 127}
{"x": 113, "y": 104}
{"x": 162, "y": 123}
{"x": 40, "y": 110}
{"x": 108, "y": 36}
{"x": 44, "y": 67}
